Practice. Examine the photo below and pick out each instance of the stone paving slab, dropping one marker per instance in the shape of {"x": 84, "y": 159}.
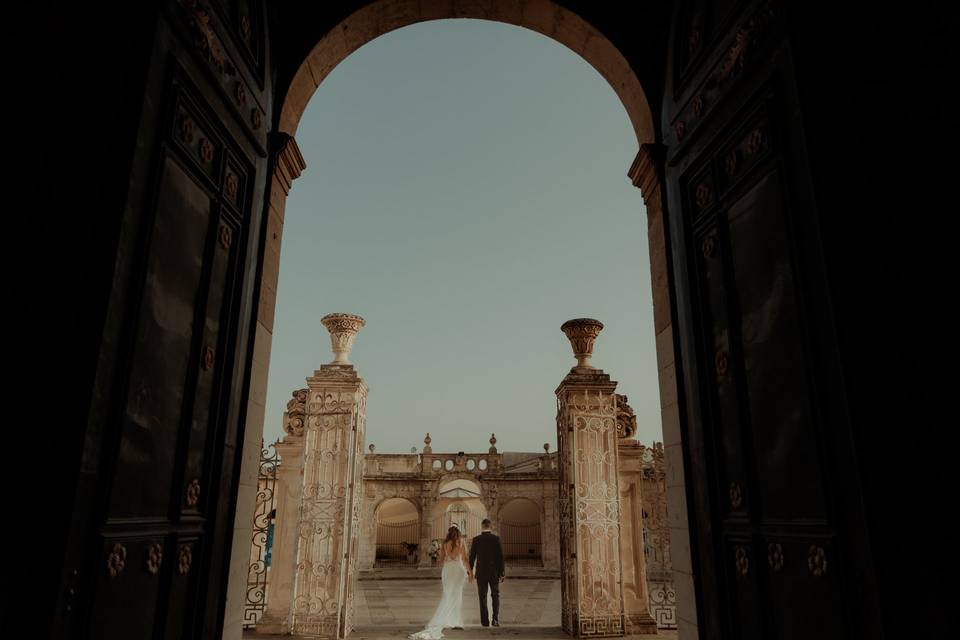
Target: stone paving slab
{"x": 412, "y": 602}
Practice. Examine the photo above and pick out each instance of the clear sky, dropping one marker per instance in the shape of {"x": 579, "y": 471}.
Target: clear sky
{"x": 466, "y": 193}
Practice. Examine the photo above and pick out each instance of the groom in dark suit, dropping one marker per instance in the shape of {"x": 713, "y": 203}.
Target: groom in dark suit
{"x": 487, "y": 555}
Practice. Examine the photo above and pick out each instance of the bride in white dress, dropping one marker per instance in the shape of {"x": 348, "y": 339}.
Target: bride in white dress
{"x": 456, "y": 571}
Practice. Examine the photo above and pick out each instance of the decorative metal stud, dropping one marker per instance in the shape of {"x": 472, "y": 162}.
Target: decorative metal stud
{"x": 256, "y": 118}
{"x": 775, "y": 556}
{"x": 694, "y": 40}
{"x": 722, "y": 363}
{"x": 680, "y": 129}
{"x": 703, "y": 194}
{"x": 154, "y": 558}
{"x": 742, "y": 561}
{"x": 731, "y": 161}
{"x": 708, "y": 247}
{"x": 817, "y": 561}
{"x": 208, "y": 358}
{"x": 185, "y": 127}
{"x": 736, "y": 495}
{"x": 226, "y": 236}
{"x": 184, "y": 560}
{"x": 193, "y": 493}
{"x": 116, "y": 560}
{"x": 240, "y": 93}
{"x": 205, "y": 150}
{"x": 698, "y": 106}
{"x": 231, "y": 184}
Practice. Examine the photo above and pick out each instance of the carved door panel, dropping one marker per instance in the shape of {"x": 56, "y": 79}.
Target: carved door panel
{"x": 152, "y": 534}
{"x": 772, "y": 511}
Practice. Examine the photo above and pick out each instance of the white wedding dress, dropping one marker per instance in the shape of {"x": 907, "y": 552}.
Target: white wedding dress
{"x": 449, "y": 611}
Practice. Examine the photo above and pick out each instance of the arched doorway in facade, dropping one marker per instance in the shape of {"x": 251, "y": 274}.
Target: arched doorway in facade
{"x": 459, "y": 503}
{"x": 569, "y": 29}
{"x": 398, "y": 533}
{"x": 520, "y": 527}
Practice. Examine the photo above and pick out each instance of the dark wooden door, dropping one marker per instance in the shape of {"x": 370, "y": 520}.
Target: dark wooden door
{"x": 776, "y": 523}
{"x": 152, "y": 525}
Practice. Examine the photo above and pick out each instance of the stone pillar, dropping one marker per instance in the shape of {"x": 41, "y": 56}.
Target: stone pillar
{"x": 276, "y": 616}
{"x": 368, "y": 532}
{"x": 591, "y": 570}
{"x": 492, "y": 502}
{"x": 636, "y": 600}
{"x": 428, "y": 512}
{"x": 550, "y": 532}
{"x": 334, "y": 431}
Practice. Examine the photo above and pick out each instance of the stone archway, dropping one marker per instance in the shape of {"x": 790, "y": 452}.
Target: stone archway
{"x": 520, "y": 524}
{"x": 548, "y": 19}
{"x": 545, "y": 17}
{"x": 562, "y": 25}
{"x": 460, "y": 503}
{"x": 397, "y": 522}
{"x": 374, "y": 495}
{"x": 745, "y": 103}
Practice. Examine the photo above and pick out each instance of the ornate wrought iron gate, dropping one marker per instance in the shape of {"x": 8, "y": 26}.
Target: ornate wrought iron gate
{"x": 522, "y": 543}
{"x": 261, "y": 540}
{"x": 398, "y": 544}
{"x": 656, "y": 539}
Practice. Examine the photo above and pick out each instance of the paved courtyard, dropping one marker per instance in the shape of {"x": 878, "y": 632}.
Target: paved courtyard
{"x": 388, "y": 609}
{"x": 412, "y": 602}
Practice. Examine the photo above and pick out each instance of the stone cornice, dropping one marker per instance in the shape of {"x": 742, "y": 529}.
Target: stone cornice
{"x": 647, "y": 168}
{"x": 289, "y": 162}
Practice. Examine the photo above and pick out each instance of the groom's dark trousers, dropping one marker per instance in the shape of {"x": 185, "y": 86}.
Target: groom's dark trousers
{"x": 494, "y": 584}
{"x": 487, "y": 555}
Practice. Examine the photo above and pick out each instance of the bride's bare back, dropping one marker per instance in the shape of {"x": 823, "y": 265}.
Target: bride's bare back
{"x": 453, "y": 551}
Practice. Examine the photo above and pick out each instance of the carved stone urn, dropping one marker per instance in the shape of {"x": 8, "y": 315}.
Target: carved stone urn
{"x": 582, "y": 333}
{"x": 343, "y": 328}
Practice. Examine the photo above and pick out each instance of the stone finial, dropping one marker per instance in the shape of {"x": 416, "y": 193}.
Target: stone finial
{"x": 546, "y": 447}
{"x": 582, "y": 333}
{"x": 493, "y": 443}
{"x": 372, "y": 448}
{"x": 426, "y": 441}
{"x": 343, "y": 328}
